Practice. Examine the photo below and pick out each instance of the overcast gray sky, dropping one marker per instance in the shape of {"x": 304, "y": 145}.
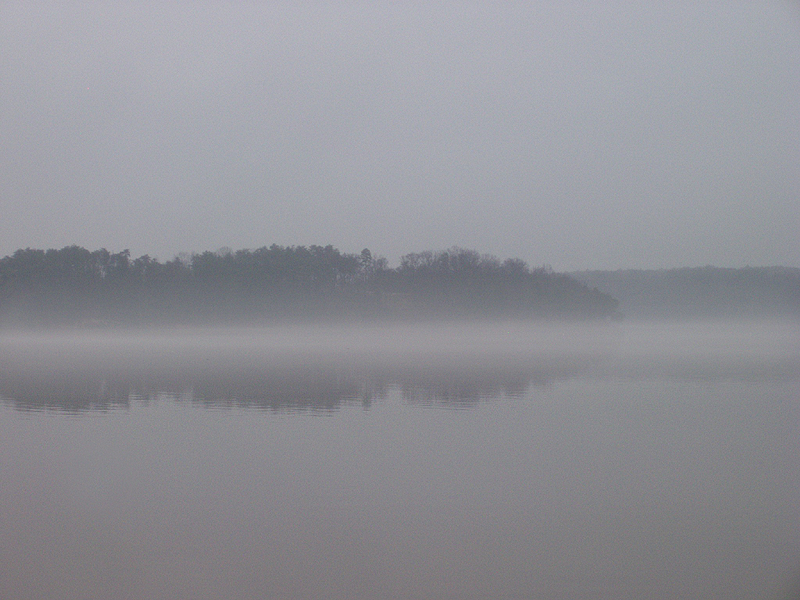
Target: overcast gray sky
{"x": 580, "y": 135}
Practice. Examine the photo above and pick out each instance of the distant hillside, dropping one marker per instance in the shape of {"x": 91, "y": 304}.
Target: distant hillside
{"x": 703, "y": 292}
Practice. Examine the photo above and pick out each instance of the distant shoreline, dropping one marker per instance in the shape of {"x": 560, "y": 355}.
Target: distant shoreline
{"x": 94, "y": 289}
{"x": 701, "y": 292}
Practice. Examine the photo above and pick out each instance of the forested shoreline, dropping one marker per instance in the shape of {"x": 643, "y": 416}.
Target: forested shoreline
{"x": 74, "y": 286}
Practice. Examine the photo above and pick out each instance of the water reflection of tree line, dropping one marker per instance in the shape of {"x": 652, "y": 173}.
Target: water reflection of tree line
{"x": 297, "y": 388}
{"x": 324, "y": 370}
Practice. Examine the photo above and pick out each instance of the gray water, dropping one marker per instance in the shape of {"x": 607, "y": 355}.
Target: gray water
{"x": 504, "y": 460}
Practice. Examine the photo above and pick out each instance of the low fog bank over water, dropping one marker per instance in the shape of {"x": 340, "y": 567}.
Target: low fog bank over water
{"x": 327, "y": 366}
{"x": 298, "y": 366}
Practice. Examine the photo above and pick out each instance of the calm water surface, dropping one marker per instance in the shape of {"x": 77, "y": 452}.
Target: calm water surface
{"x": 450, "y": 461}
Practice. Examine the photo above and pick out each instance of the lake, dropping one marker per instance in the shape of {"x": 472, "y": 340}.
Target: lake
{"x": 427, "y": 461}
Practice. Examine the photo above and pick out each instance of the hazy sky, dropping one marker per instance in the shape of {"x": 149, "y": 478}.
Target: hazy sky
{"x": 581, "y": 135}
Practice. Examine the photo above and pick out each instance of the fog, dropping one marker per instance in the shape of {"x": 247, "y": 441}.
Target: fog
{"x": 285, "y": 311}
{"x": 301, "y": 365}
{"x": 325, "y": 366}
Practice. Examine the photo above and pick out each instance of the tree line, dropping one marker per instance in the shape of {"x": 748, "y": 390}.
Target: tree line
{"x": 74, "y": 285}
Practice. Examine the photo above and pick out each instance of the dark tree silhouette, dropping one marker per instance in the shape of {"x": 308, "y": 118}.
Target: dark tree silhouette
{"x": 76, "y": 286}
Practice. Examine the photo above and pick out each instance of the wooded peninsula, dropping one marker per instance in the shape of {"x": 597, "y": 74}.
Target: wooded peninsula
{"x": 74, "y": 286}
